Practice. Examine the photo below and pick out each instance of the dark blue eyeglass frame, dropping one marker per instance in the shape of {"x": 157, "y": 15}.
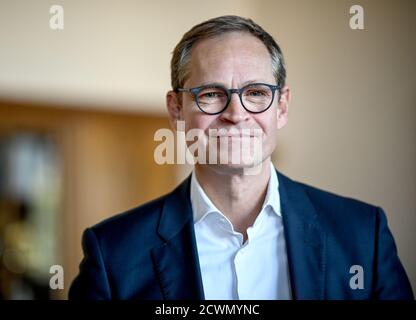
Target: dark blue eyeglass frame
{"x": 195, "y": 91}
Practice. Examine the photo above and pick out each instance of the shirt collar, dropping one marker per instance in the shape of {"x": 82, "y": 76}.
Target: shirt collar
{"x": 272, "y": 196}
{"x": 203, "y": 206}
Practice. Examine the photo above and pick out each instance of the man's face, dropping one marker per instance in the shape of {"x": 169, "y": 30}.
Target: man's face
{"x": 232, "y": 60}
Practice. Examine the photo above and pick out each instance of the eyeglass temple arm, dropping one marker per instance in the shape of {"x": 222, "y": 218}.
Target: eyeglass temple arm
{"x": 181, "y": 90}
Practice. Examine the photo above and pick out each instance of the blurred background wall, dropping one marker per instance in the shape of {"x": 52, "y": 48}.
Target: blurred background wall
{"x": 79, "y": 108}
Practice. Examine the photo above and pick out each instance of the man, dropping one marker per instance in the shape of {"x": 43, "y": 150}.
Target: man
{"x": 226, "y": 233}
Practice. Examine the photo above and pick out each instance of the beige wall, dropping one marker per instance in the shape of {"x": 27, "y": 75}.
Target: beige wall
{"x": 111, "y": 54}
{"x": 352, "y": 124}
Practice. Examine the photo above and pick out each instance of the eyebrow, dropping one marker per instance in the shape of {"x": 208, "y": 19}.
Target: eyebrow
{"x": 203, "y": 84}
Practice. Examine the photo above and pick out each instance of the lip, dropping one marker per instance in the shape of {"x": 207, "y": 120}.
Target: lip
{"x": 241, "y": 133}
{"x": 235, "y": 136}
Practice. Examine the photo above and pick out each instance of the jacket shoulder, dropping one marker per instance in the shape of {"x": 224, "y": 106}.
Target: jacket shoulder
{"x": 130, "y": 229}
{"x": 337, "y": 211}
{"x": 327, "y": 199}
{"x": 131, "y": 217}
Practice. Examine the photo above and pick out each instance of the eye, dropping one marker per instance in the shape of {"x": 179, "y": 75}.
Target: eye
{"x": 211, "y": 93}
{"x": 256, "y": 93}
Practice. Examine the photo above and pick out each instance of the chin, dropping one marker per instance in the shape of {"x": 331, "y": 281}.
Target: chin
{"x": 246, "y": 168}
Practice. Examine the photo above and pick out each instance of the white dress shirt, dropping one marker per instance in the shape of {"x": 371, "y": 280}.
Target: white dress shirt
{"x": 231, "y": 269}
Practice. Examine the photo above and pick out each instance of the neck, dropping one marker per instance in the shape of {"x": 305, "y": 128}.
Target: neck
{"x": 238, "y": 196}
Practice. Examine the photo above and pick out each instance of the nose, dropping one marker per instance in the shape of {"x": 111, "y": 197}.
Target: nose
{"x": 235, "y": 112}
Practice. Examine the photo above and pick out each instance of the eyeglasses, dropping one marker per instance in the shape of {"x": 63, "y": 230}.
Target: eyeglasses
{"x": 214, "y": 99}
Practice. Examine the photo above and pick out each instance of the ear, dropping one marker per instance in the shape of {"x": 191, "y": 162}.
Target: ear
{"x": 283, "y": 107}
{"x": 174, "y": 107}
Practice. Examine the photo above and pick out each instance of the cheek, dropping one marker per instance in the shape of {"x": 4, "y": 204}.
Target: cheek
{"x": 197, "y": 121}
{"x": 268, "y": 123}
{"x": 269, "y": 126}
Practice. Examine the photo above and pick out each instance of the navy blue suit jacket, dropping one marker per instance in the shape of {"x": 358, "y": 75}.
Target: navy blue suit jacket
{"x": 150, "y": 251}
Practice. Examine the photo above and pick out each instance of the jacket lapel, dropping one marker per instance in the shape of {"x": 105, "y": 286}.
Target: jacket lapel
{"x": 176, "y": 260}
{"x": 305, "y": 241}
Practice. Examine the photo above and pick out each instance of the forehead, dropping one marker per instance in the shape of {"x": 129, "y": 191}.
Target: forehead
{"x": 232, "y": 57}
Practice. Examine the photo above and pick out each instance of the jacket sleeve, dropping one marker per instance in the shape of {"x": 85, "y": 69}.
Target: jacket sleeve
{"x": 92, "y": 281}
{"x": 390, "y": 279}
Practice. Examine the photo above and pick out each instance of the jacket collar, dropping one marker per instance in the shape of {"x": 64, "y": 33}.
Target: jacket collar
{"x": 176, "y": 260}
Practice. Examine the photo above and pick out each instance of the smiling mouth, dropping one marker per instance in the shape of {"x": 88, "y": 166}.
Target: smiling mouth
{"x": 233, "y": 136}
{"x": 236, "y": 136}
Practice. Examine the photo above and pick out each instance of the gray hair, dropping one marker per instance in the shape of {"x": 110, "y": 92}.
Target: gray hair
{"x": 215, "y": 27}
